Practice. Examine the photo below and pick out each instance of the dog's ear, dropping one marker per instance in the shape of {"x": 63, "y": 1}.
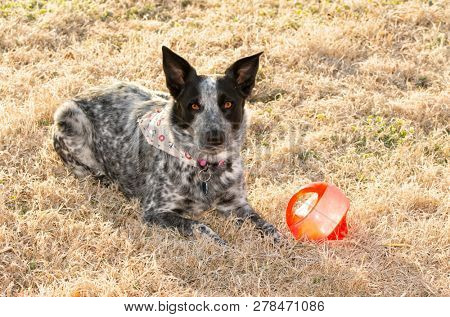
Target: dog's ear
{"x": 243, "y": 72}
{"x": 177, "y": 71}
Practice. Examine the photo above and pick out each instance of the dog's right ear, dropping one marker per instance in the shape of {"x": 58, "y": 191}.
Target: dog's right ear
{"x": 177, "y": 71}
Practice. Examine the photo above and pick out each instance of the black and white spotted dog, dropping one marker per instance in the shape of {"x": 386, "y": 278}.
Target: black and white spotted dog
{"x": 112, "y": 134}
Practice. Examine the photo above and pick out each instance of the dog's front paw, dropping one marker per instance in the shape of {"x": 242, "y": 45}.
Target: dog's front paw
{"x": 201, "y": 229}
{"x": 271, "y": 231}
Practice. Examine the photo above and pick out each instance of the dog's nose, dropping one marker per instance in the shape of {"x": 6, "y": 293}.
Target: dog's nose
{"x": 215, "y": 138}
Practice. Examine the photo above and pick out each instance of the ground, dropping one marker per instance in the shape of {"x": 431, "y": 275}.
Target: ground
{"x": 350, "y": 92}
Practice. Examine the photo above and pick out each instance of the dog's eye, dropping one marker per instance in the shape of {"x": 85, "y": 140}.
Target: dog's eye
{"x": 228, "y": 104}
{"x": 195, "y": 106}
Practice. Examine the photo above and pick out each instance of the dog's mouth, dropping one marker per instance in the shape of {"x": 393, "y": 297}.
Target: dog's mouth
{"x": 208, "y": 149}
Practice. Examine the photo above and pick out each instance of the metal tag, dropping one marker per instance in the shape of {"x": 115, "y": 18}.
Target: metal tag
{"x": 205, "y": 188}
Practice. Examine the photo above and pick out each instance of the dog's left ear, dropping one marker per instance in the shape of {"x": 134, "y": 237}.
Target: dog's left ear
{"x": 243, "y": 72}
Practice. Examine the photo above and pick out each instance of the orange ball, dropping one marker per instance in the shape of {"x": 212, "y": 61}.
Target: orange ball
{"x": 322, "y": 216}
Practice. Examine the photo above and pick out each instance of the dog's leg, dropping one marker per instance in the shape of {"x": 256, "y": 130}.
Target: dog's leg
{"x": 73, "y": 141}
{"x": 187, "y": 227}
{"x": 234, "y": 204}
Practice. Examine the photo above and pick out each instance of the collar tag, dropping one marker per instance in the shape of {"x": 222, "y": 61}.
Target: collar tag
{"x": 205, "y": 188}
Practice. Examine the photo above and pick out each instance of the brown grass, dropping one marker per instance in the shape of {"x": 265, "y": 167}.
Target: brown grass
{"x": 350, "y": 92}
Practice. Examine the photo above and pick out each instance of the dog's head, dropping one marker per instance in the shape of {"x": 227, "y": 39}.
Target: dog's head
{"x": 208, "y": 113}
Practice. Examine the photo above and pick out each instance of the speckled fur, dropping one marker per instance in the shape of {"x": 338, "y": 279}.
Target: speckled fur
{"x": 97, "y": 134}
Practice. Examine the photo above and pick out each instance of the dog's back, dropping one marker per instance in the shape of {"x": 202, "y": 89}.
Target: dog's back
{"x": 97, "y": 134}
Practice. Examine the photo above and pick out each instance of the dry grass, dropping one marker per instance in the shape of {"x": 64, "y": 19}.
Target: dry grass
{"x": 351, "y": 92}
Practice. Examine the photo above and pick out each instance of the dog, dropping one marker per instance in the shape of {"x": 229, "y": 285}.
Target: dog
{"x": 178, "y": 153}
